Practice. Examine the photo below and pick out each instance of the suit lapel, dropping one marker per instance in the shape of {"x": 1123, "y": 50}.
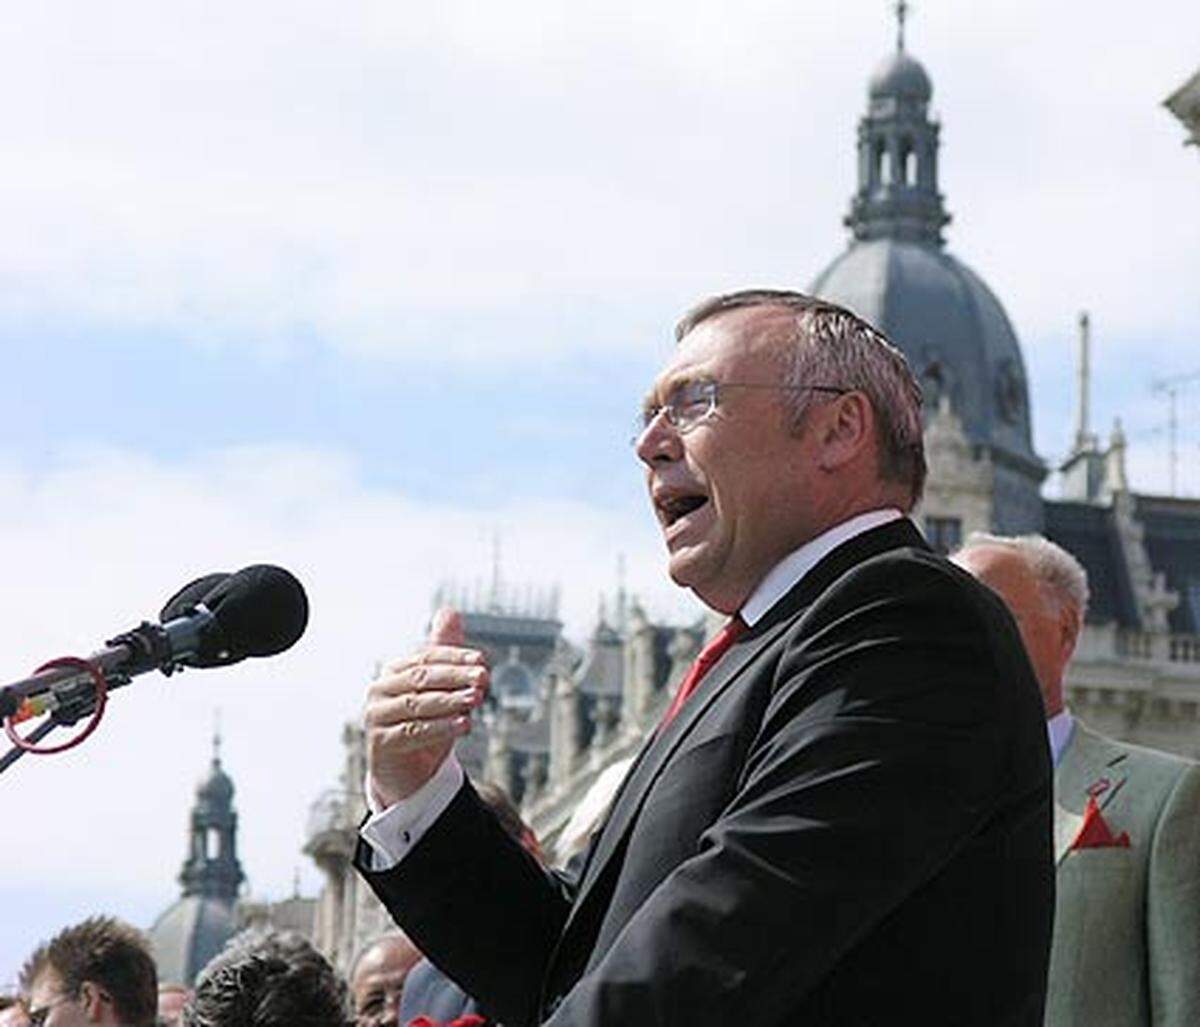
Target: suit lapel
{"x": 1089, "y": 765}
{"x": 1066, "y": 829}
{"x": 663, "y": 745}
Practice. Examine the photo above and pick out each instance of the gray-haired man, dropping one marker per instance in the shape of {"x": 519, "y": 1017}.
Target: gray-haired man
{"x": 1126, "y": 947}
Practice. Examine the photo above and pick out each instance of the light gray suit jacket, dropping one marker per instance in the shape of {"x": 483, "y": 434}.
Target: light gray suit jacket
{"x": 1126, "y": 948}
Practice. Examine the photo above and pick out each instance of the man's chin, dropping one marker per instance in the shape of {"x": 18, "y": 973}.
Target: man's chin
{"x": 685, "y": 566}
{"x": 688, "y": 570}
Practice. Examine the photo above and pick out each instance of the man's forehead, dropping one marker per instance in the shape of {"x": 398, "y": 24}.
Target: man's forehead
{"x": 1004, "y": 569}
{"x": 386, "y": 954}
{"x": 730, "y": 338}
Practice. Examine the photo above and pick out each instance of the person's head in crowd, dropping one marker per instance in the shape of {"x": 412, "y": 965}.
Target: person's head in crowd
{"x": 12, "y": 1011}
{"x": 171, "y": 1000}
{"x": 377, "y": 976}
{"x": 267, "y": 979}
{"x": 97, "y": 972}
{"x": 773, "y": 401}
{"x": 1046, "y": 590}
{"x": 496, "y": 798}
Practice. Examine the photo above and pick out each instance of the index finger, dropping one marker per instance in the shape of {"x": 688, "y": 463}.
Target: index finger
{"x": 454, "y": 655}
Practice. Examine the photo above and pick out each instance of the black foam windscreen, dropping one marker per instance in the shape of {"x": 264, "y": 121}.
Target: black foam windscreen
{"x": 261, "y": 610}
{"x": 184, "y": 601}
{"x": 212, "y": 649}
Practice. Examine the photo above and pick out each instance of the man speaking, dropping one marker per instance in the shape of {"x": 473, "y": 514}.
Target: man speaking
{"x": 844, "y": 817}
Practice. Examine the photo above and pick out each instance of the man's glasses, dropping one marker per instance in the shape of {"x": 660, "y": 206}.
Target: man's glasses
{"x": 691, "y": 403}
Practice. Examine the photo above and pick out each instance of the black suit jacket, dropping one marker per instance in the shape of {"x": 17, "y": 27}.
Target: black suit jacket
{"x": 848, "y": 823}
{"x": 429, "y": 992}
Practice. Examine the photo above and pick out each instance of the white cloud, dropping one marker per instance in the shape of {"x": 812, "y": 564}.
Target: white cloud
{"x": 98, "y": 542}
{"x": 241, "y": 176}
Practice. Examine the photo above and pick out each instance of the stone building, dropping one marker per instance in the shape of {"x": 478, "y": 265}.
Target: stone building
{"x": 897, "y": 274}
{"x": 1137, "y": 672}
{"x": 562, "y": 715}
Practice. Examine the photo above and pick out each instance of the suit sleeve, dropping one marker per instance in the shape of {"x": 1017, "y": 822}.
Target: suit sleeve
{"x": 888, "y": 737}
{"x": 478, "y": 904}
{"x": 1173, "y": 907}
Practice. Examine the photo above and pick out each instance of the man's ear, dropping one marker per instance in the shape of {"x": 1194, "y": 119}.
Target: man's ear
{"x": 1070, "y": 624}
{"x": 846, "y": 427}
{"x": 94, "y": 999}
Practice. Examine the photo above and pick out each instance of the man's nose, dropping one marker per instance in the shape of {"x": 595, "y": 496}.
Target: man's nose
{"x": 659, "y": 441}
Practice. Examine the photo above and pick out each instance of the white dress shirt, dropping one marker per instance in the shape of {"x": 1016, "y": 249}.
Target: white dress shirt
{"x": 392, "y": 832}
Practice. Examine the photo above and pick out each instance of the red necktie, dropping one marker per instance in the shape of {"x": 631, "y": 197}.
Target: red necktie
{"x": 709, "y": 655}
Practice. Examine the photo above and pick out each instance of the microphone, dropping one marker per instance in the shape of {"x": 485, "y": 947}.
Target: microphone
{"x": 221, "y": 619}
{"x": 214, "y": 621}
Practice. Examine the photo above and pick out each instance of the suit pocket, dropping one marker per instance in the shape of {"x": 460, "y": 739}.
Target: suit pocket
{"x": 1111, "y": 857}
{"x": 1099, "y": 872}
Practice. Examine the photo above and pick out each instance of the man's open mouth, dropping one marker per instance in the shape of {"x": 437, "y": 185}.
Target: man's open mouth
{"x": 680, "y": 506}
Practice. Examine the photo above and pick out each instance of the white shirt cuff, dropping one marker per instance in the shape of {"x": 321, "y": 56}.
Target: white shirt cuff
{"x": 393, "y": 832}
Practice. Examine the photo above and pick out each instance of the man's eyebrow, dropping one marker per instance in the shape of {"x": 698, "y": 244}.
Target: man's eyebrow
{"x": 669, "y": 384}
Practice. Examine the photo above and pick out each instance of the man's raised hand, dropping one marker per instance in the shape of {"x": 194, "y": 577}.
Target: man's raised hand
{"x": 418, "y": 705}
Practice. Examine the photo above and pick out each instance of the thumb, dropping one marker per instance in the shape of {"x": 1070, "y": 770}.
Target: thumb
{"x": 446, "y": 628}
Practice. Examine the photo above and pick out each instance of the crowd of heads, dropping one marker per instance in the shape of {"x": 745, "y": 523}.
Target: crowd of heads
{"x": 102, "y": 972}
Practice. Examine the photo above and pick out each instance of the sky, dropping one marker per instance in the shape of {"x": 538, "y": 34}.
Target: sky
{"x": 360, "y": 288}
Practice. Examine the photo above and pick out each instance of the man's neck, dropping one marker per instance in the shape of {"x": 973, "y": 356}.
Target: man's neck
{"x": 788, "y": 573}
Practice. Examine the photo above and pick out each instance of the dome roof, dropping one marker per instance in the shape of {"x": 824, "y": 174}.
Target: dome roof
{"x": 188, "y": 935}
{"x": 217, "y": 787}
{"x": 902, "y": 77}
{"x": 951, "y": 328}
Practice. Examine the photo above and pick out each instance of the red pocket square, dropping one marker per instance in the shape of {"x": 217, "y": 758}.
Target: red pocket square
{"x": 1094, "y": 832}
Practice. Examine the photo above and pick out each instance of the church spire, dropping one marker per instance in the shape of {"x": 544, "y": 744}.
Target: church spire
{"x": 212, "y": 868}
{"x": 897, "y": 195}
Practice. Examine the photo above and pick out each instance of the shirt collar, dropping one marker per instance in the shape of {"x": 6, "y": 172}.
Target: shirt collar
{"x": 1060, "y": 727}
{"x": 786, "y": 574}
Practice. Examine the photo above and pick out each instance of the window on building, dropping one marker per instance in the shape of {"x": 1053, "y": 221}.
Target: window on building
{"x": 943, "y": 533}
{"x": 908, "y": 163}
{"x": 877, "y": 152}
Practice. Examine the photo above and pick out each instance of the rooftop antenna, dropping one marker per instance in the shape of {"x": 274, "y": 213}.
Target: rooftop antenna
{"x": 622, "y": 599}
{"x": 1171, "y": 387}
{"x": 494, "y": 599}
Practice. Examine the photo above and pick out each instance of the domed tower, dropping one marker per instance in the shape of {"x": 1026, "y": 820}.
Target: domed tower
{"x": 195, "y": 928}
{"x": 896, "y": 273}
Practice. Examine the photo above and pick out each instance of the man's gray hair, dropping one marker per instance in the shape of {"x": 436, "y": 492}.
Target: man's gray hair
{"x": 1061, "y": 576}
{"x": 829, "y": 345}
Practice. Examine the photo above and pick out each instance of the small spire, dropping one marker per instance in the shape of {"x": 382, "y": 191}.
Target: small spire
{"x": 902, "y": 8}
{"x": 216, "y": 743}
{"x": 1083, "y": 435}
